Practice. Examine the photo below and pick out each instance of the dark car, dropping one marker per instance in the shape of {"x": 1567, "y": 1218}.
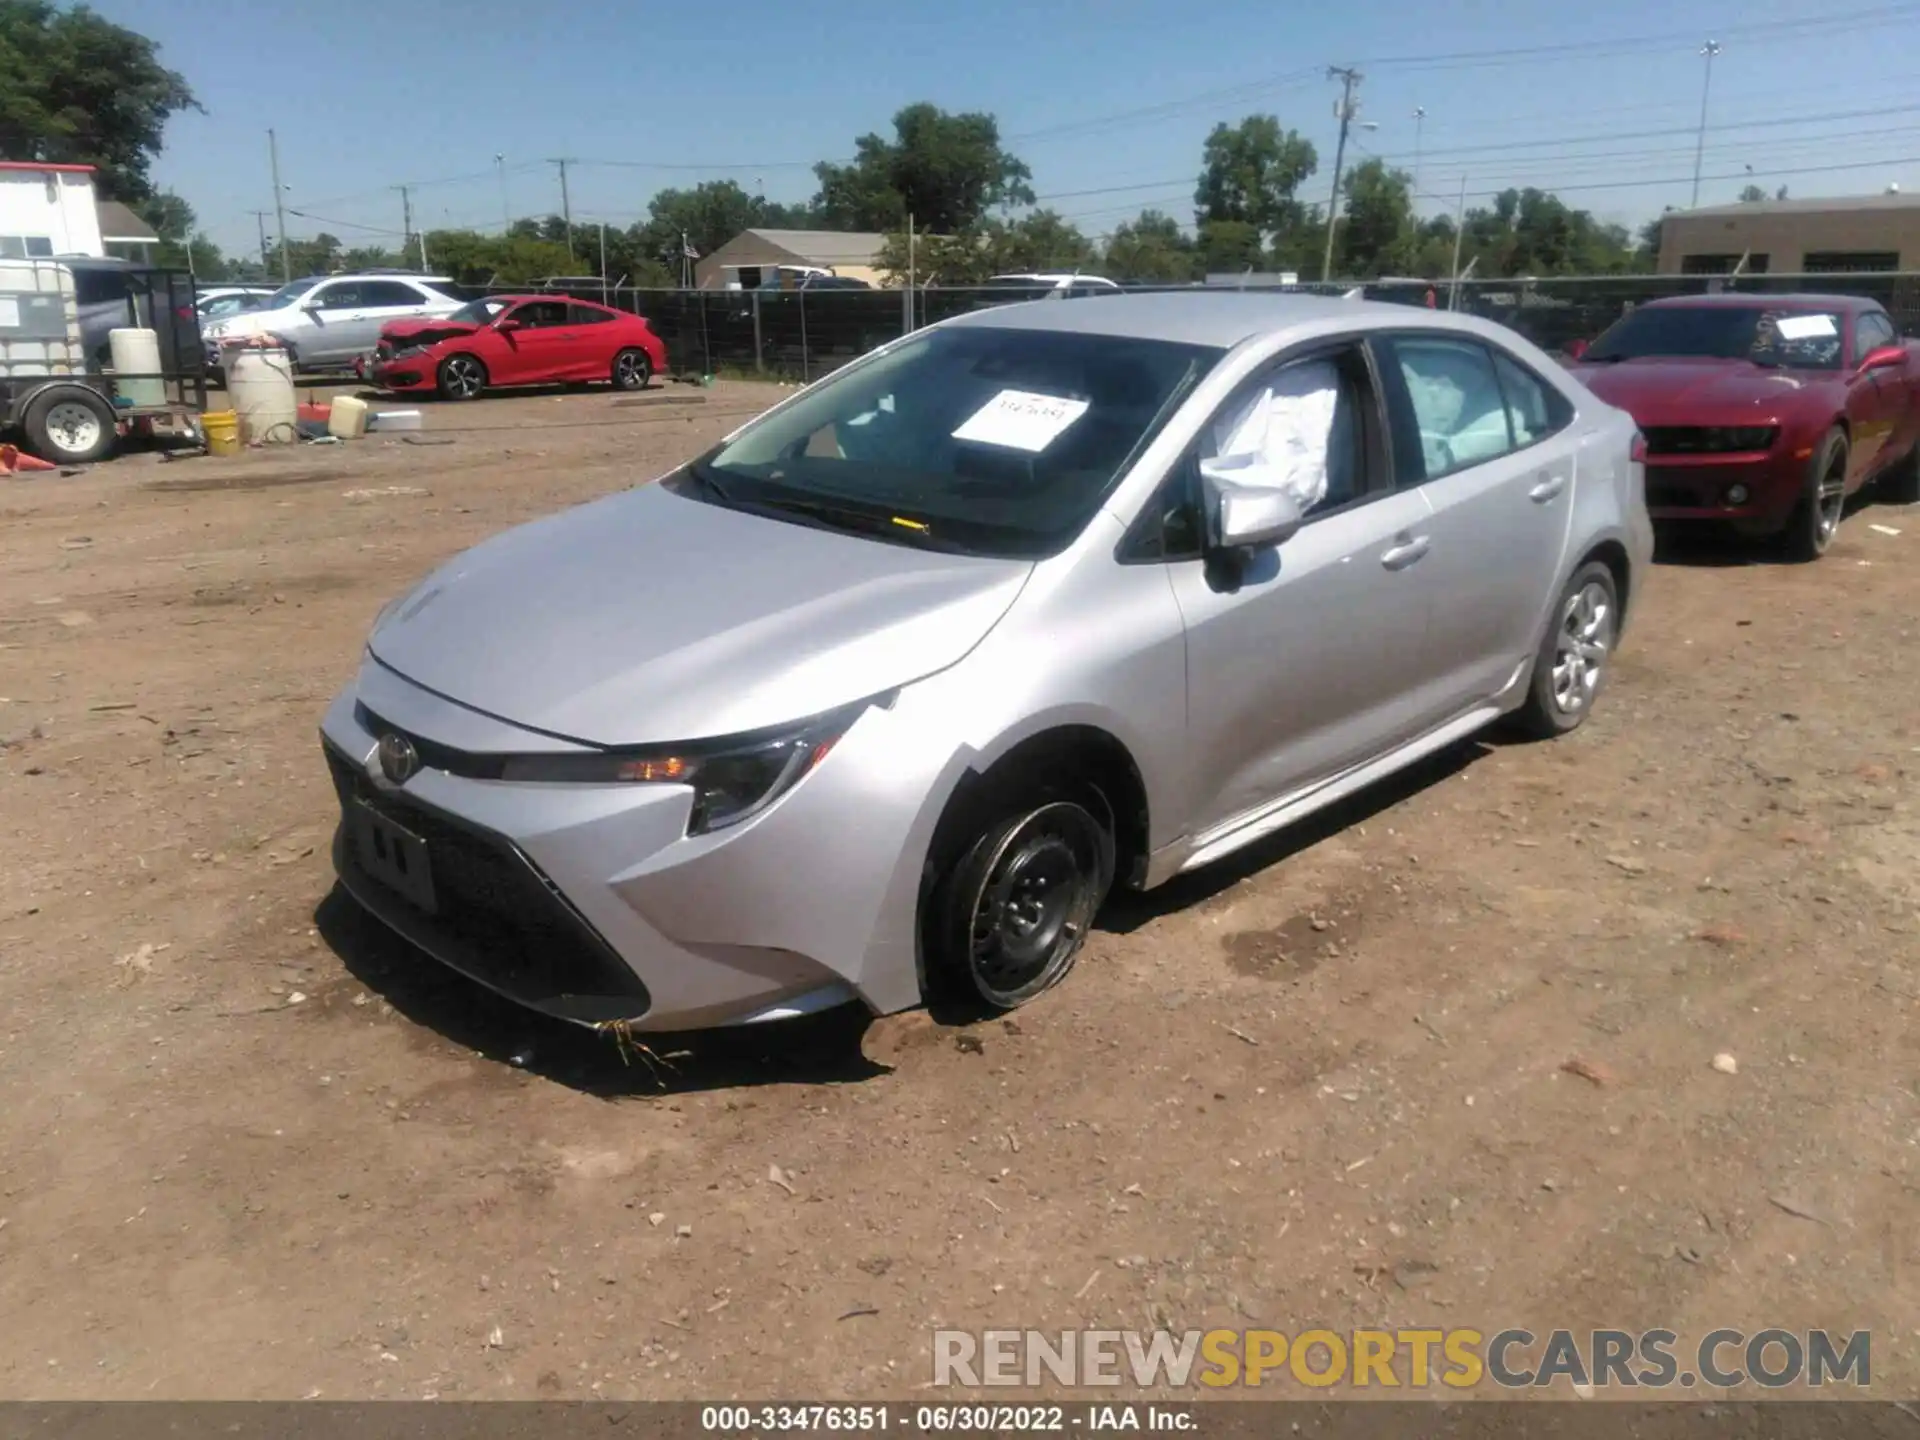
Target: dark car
{"x": 1765, "y": 412}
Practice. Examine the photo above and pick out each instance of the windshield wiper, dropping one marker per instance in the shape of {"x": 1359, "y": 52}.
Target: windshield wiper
{"x": 865, "y": 522}
{"x": 709, "y": 482}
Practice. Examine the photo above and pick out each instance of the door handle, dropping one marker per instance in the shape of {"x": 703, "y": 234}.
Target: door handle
{"x": 1547, "y": 489}
{"x": 1405, "y": 551}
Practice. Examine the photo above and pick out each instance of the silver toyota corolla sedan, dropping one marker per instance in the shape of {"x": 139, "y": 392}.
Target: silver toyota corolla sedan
{"x": 876, "y": 700}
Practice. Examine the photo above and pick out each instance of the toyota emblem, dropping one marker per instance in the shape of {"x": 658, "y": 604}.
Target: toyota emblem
{"x": 399, "y": 761}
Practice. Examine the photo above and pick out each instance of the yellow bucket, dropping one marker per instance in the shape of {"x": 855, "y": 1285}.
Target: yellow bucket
{"x": 222, "y": 429}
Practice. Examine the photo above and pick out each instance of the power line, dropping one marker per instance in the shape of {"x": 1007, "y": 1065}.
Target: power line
{"x": 1639, "y": 44}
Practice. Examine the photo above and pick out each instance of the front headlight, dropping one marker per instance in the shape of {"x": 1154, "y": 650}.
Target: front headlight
{"x": 731, "y": 779}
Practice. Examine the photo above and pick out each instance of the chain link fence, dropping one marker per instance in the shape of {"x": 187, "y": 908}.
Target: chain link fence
{"x": 803, "y": 334}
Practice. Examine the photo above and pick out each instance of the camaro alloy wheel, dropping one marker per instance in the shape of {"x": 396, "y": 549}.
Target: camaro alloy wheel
{"x": 1582, "y": 645}
{"x": 1817, "y": 519}
{"x": 462, "y": 377}
{"x": 1026, "y": 895}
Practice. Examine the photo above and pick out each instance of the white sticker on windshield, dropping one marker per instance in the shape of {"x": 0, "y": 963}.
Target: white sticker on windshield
{"x": 1021, "y": 420}
{"x": 1805, "y": 327}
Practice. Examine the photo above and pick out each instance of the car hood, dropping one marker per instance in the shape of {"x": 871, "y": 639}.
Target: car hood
{"x": 649, "y": 617}
{"x": 1680, "y": 391}
{"x": 424, "y": 331}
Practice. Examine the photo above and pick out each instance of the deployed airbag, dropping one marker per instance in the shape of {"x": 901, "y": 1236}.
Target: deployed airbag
{"x": 1281, "y": 435}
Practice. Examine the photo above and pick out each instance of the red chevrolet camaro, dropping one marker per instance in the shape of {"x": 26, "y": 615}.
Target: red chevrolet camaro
{"x": 515, "y": 340}
{"x": 1765, "y": 412}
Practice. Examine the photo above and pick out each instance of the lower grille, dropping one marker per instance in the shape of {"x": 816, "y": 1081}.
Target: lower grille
{"x": 500, "y": 919}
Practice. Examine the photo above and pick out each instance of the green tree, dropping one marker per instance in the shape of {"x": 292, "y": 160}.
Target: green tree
{"x": 1375, "y": 234}
{"x": 515, "y": 258}
{"x": 1039, "y": 241}
{"x": 182, "y": 246}
{"x": 709, "y": 215}
{"x": 1752, "y": 195}
{"x": 77, "y": 89}
{"x": 1230, "y": 247}
{"x": 1151, "y": 247}
{"x": 944, "y": 171}
{"x": 1251, "y": 173}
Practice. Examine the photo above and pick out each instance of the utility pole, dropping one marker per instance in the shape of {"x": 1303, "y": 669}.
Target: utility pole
{"x": 1710, "y": 49}
{"x": 1344, "y": 109}
{"x": 566, "y": 205}
{"x": 506, "y": 213}
{"x": 1419, "y": 129}
{"x": 1459, "y": 234}
{"x": 406, "y": 224}
{"x": 280, "y": 208}
{"x": 261, "y": 216}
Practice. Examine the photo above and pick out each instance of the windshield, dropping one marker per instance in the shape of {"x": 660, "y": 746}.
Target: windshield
{"x": 287, "y": 294}
{"x": 987, "y": 441}
{"x": 1799, "y": 339}
{"x": 478, "y": 313}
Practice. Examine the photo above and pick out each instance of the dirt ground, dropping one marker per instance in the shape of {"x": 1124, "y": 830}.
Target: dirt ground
{"x": 253, "y": 1147}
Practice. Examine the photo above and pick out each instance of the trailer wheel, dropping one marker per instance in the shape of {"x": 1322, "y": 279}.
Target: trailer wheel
{"x": 71, "y": 427}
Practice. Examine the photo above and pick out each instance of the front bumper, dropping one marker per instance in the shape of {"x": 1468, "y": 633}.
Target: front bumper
{"x": 400, "y": 372}
{"x": 592, "y": 904}
{"x": 1751, "y": 486}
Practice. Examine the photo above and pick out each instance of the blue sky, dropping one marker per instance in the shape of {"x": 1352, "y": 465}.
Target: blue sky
{"x": 1109, "y": 103}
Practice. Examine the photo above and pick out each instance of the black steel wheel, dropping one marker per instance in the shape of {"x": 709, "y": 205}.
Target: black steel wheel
{"x": 1016, "y": 908}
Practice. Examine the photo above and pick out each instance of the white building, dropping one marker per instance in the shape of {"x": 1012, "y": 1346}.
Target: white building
{"x": 47, "y": 209}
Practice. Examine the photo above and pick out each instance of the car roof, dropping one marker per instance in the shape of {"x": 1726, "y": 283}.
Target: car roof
{"x": 1749, "y": 300}
{"x": 1218, "y": 318}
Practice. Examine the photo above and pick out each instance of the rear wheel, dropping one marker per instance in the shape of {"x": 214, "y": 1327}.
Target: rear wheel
{"x": 632, "y": 370}
{"x": 1008, "y": 916}
{"x": 1574, "y": 655}
{"x": 71, "y": 427}
{"x": 1816, "y": 519}
{"x": 462, "y": 377}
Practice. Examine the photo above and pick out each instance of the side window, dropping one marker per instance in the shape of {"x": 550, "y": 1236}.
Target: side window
{"x": 387, "y": 294}
{"x": 335, "y": 297}
{"x": 1309, "y": 423}
{"x": 587, "y": 315}
{"x": 542, "y": 314}
{"x": 1457, "y": 412}
{"x": 1534, "y": 408}
{"x": 1870, "y": 332}
{"x": 98, "y": 287}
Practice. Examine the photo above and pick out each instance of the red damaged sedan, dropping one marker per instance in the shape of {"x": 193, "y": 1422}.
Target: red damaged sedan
{"x": 515, "y": 340}
{"x": 1765, "y": 411}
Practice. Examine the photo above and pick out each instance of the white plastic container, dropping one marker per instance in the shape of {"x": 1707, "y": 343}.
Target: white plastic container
{"x": 395, "y": 420}
{"x": 260, "y": 389}
{"x": 348, "y": 418}
{"x": 137, "y": 353}
{"x": 39, "y": 322}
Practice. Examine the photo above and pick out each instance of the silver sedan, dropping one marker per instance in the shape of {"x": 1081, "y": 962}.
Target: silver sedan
{"x": 877, "y": 700}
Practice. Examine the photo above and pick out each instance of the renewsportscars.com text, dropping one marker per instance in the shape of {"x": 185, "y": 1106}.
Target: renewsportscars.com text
{"x": 1458, "y": 1359}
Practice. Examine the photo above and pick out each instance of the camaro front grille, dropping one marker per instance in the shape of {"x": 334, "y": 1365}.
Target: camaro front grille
{"x": 1709, "y": 439}
{"x": 496, "y": 914}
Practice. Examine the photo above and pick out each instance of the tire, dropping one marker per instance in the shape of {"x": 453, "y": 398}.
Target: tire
{"x": 71, "y": 427}
{"x": 462, "y": 377}
{"x": 1574, "y": 655}
{"x": 1816, "y": 519}
{"x": 1901, "y": 484}
{"x": 632, "y": 370}
{"x": 1007, "y": 917}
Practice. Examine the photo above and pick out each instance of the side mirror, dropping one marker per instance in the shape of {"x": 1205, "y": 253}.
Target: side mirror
{"x": 1246, "y": 515}
{"x": 507, "y": 327}
{"x": 313, "y": 312}
{"x": 1884, "y": 358}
